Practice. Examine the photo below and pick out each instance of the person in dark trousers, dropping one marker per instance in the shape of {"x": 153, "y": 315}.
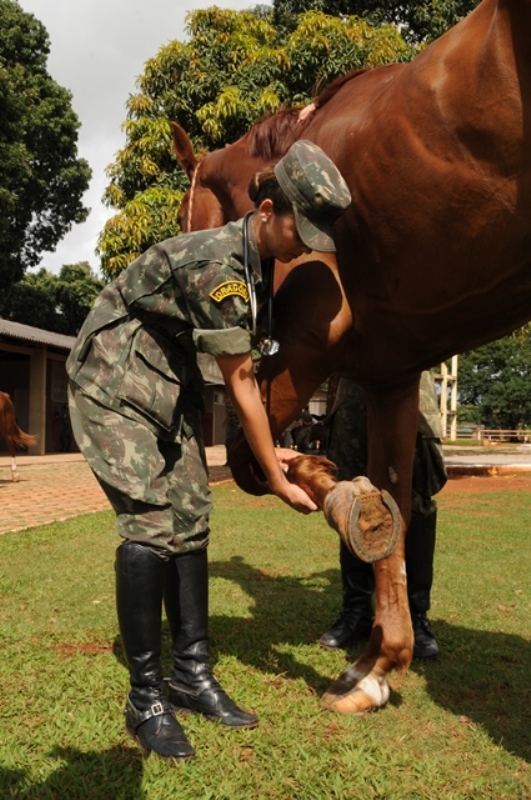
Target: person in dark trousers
{"x": 347, "y": 447}
{"x": 136, "y": 400}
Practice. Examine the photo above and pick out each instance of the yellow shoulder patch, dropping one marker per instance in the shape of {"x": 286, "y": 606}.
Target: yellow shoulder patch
{"x": 230, "y": 289}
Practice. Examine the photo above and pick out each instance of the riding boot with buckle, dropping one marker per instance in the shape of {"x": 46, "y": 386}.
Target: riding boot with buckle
{"x": 149, "y": 718}
{"x": 354, "y": 623}
{"x": 192, "y": 686}
{"x": 420, "y": 550}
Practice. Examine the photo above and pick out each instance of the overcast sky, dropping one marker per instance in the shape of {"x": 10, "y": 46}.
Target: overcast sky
{"x": 98, "y": 49}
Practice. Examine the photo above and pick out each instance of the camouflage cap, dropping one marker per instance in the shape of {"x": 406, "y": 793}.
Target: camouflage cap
{"x": 317, "y": 192}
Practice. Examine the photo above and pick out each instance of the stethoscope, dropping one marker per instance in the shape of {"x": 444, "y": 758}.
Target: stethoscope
{"x": 268, "y": 346}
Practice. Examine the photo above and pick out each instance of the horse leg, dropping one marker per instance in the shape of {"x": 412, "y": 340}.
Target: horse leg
{"x": 392, "y": 420}
{"x": 11, "y": 449}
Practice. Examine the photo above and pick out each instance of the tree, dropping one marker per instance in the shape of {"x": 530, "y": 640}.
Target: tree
{"x": 57, "y": 303}
{"x": 41, "y": 179}
{"x": 494, "y": 383}
{"x": 235, "y": 68}
{"x": 419, "y": 21}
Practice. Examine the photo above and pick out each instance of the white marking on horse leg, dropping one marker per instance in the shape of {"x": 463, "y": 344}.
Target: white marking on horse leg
{"x": 353, "y": 675}
{"x": 14, "y": 474}
{"x": 377, "y": 689}
{"x": 347, "y": 695}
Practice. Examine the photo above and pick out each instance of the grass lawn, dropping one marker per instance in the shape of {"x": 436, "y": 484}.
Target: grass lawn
{"x": 454, "y": 729}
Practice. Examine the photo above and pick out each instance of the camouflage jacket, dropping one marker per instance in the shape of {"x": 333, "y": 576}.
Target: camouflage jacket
{"x": 136, "y": 350}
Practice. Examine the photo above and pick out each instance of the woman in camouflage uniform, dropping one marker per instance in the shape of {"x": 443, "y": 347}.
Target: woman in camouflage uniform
{"x": 136, "y": 402}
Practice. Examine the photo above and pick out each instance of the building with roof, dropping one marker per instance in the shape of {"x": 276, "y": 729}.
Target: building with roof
{"x": 32, "y": 372}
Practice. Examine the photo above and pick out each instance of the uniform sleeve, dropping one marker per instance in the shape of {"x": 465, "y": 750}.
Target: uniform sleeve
{"x": 227, "y": 342}
{"x": 217, "y": 302}
{"x": 430, "y": 423}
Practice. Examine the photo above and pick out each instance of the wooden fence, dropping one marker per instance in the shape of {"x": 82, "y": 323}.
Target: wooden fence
{"x": 481, "y": 434}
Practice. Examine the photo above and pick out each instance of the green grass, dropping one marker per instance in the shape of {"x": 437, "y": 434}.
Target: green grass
{"x": 458, "y": 728}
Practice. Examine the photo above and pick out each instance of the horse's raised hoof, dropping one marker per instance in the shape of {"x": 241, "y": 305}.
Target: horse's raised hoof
{"x": 367, "y": 520}
{"x": 354, "y": 695}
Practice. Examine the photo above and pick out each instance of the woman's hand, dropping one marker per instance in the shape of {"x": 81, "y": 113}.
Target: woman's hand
{"x": 285, "y": 455}
{"x": 238, "y": 374}
{"x": 294, "y": 496}
{"x": 289, "y": 492}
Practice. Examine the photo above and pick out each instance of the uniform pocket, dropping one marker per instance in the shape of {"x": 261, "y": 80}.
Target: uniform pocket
{"x": 150, "y": 384}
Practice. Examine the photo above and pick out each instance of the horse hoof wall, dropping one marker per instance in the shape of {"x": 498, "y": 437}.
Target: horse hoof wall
{"x": 368, "y": 522}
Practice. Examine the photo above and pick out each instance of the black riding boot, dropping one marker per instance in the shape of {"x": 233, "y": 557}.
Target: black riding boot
{"x": 354, "y": 624}
{"x": 420, "y": 550}
{"x": 192, "y": 687}
{"x": 149, "y": 717}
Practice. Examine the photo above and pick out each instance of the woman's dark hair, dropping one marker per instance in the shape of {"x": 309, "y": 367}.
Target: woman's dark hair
{"x": 264, "y": 186}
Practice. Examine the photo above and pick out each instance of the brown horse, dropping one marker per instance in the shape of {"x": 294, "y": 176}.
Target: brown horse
{"x": 433, "y": 258}
{"x": 13, "y": 436}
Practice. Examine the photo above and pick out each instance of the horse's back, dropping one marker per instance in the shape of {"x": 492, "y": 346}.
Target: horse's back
{"x": 436, "y": 155}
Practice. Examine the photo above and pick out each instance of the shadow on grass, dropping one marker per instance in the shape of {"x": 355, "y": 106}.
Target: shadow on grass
{"x": 287, "y": 610}
{"x": 483, "y": 678}
{"x": 115, "y": 773}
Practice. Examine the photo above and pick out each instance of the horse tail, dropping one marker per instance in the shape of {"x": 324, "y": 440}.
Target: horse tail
{"x": 23, "y": 439}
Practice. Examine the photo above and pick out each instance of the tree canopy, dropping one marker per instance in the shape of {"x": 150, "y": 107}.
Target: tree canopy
{"x": 494, "y": 383}
{"x": 419, "y": 21}
{"x": 57, "y": 303}
{"x": 41, "y": 178}
{"x": 235, "y": 68}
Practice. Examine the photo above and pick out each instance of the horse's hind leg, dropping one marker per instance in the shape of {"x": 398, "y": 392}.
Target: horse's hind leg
{"x": 11, "y": 448}
{"x": 14, "y": 474}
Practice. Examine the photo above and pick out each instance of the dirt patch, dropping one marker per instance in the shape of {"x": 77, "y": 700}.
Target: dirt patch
{"x": 467, "y": 484}
{"x": 219, "y": 474}
{"x": 67, "y": 649}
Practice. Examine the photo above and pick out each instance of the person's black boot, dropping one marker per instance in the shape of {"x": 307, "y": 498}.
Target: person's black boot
{"x": 354, "y": 623}
{"x": 192, "y": 686}
{"x": 149, "y": 718}
{"x": 420, "y": 550}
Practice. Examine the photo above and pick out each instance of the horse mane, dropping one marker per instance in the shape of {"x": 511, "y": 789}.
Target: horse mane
{"x": 272, "y": 136}
{"x": 329, "y": 91}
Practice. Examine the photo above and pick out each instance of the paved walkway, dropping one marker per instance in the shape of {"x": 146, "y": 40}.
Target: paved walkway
{"x": 60, "y": 486}
{"x": 492, "y": 461}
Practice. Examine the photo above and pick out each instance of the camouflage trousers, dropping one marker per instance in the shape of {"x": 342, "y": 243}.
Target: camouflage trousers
{"x": 158, "y": 489}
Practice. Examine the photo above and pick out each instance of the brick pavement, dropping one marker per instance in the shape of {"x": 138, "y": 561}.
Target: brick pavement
{"x": 57, "y": 487}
